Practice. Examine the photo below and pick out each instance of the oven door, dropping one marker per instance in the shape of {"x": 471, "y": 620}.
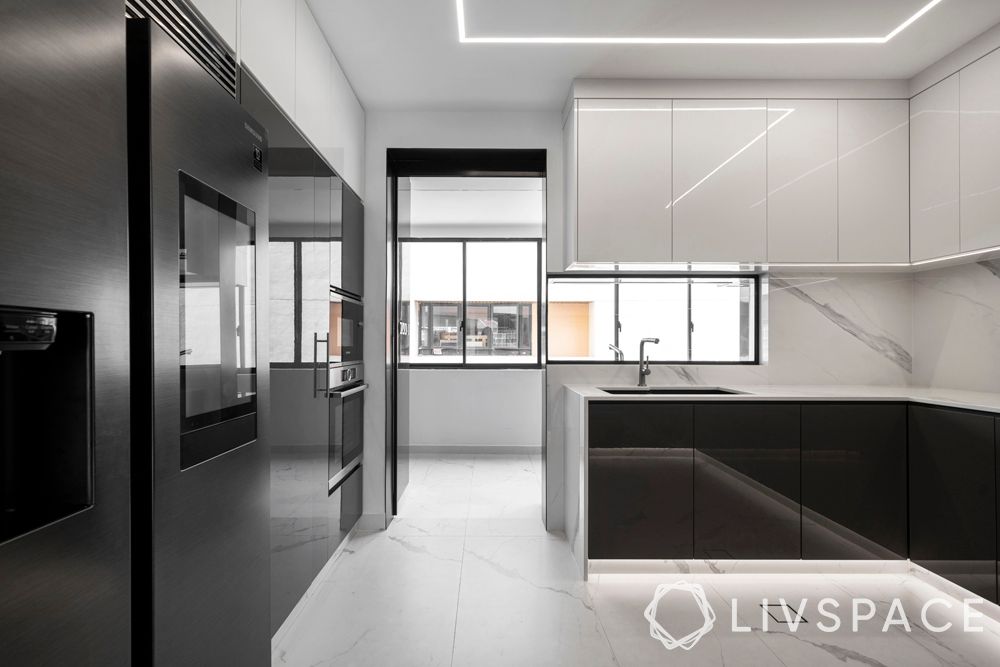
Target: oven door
{"x": 346, "y": 432}
{"x": 346, "y": 329}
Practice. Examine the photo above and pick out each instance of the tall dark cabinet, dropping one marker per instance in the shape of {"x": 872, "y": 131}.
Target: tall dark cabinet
{"x": 316, "y": 232}
{"x": 854, "y": 481}
{"x": 65, "y": 584}
{"x": 953, "y": 501}
{"x": 746, "y": 480}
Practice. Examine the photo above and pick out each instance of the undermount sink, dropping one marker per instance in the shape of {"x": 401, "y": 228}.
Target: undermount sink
{"x": 683, "y": 391}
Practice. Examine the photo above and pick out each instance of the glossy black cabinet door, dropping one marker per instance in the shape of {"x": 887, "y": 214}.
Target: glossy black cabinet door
{"x": 352, "y": 248}
{"x": 953, "y": 508}
{"x": 640, "y": 502}
{"x": 746, "y": 480}
{"x": 640, "y": 424}
{"x": 854, "y": 481}
{"x": 640, "y": 476}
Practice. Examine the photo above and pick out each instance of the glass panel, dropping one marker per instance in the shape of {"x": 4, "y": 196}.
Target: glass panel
{"x": 431, "y": 290}
{"x": 653, "y": 309}
{"x": 217, "y": 307}
{"x": 472, "y": 207}
{"x": 581, "y": 319}
{"x": 722, "y": 319}
{"x": 502, "y": 294}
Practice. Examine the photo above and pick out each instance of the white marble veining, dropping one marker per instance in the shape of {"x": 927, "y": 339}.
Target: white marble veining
{"x": 956, "y": 322}
{"x": 430, "y": 591}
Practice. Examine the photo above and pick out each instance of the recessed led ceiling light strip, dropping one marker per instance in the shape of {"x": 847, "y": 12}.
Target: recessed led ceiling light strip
{"x": 465, "y": 39}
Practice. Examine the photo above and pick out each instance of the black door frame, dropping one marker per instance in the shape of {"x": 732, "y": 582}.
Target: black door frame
{"x": 440, "y": 162}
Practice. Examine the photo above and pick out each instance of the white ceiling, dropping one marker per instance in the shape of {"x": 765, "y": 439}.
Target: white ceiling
{"x": 406, "y": 54}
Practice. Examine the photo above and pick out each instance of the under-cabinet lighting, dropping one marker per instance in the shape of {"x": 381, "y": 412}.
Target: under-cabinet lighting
{"x": 465, "y": 39}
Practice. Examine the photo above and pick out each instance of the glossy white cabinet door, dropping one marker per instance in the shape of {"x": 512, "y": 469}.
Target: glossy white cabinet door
{"x": 934, "y": 169}
{"x": 623, "y": 180}
{"x": 267, "y": 47}
{"x": 221, "y": 15}
{"x": 874, "y": 180}
{"x": 313, "y": 79}
{"x": 569, "y": 189}
{"x": 719, "y": 199}
{"x": 802, "y": 181}
{"x": 980, "y": 151}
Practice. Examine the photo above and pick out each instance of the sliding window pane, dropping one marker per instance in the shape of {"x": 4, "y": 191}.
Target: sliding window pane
{"x": 502, "y": 302}
{"x": 431, "y": 291}
{"x": 653, "y": 309}
{"x": 722, "y": 325}
{"x": 581, "y": 319}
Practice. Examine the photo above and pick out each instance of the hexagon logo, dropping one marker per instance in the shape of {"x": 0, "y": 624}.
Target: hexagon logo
{"x": 688, "y": 641}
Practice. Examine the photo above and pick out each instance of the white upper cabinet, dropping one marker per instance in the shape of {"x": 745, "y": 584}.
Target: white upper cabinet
{"x": 222, "y": 16}
{"x": 267, "y": 47}
{"x": 719, "y": 199}
{"x": 934, "y": 171}
{"x": 802, "y": 181}
{"x": 623, "y": 181}
{"x": 313, "y": 79}
{"x": 980, "y": 153}
{"x": 874, "y": 184}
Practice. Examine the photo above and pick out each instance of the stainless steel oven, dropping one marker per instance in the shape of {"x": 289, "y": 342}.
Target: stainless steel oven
{"x": 347, "y": 401}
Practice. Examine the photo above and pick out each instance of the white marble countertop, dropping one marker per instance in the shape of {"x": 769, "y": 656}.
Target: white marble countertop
{"x": 954, "y": 398}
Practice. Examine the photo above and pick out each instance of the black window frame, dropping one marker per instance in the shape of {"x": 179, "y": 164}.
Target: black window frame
{"x": 757, "y": 279}
{"x": 465, "y": 363}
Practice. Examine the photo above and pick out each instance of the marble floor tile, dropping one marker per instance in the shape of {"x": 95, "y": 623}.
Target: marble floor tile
{"x": 466, "y": 576}
{"x": 522, "y": 604}
{"x": 388, "y": 601}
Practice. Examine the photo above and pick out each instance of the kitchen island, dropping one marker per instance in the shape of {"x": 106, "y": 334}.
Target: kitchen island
{"x": 784, "y": 473}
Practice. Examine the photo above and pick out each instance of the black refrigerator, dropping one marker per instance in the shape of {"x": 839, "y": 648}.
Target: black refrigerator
{"x": 198, "y": 225}
{"x": 64, "y": 347}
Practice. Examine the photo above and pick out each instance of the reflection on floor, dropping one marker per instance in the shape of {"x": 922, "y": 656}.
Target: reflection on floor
{"x": 466, "y": 575}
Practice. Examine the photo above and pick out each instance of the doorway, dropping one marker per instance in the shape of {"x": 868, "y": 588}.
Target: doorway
{"x": 466, "y": 230}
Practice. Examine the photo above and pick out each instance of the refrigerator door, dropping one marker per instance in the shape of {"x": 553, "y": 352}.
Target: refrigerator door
{"x": 64, "y": 587}
{"x": 201, "y": 520}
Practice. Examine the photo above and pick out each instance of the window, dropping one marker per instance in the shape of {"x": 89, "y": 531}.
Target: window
{"x": 698, "y": 319}
{"x": 469, "y": 302}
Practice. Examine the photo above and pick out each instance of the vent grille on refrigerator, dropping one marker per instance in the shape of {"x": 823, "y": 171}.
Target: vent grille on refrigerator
{"x": 193, "y": 34}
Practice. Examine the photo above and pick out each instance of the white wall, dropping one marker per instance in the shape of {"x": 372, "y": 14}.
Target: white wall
{"x": 472, "y": 407}
{"x": 430, "y": 129}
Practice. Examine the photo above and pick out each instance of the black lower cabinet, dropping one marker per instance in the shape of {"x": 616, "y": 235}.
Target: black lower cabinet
{"x": 953, "y": 504}
{"x": 854, "y": 481}
{"x": 640, "y": 480}
{"x": 746, "y": 480}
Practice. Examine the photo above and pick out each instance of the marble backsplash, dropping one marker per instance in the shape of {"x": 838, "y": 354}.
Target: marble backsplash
{"x": 956, "y": 325}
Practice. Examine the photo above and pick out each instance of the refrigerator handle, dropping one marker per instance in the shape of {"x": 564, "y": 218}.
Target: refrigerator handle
{"x": 317, "y": 391}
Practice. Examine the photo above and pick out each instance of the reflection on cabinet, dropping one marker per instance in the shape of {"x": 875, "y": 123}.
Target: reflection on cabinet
{"x": 352, "y": 262}
{"x": 952, "y": 495}
{"x": 719, "y": 178}
{"x": 802, "y": 181}
{"x": 873, "y": 198}
{"x": 934, "y": 171}
{"x": 623, "y": 183}
{"x": 980, "y": 153}
{"x": 746, "y": 480}
{"x": 640, "y": 480}
{"x": 640, "y": 503}
{"x": 854, "y": 481}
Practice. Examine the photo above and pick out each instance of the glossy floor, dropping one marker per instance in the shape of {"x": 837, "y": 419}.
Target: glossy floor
{"x": 466, "y": 575}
